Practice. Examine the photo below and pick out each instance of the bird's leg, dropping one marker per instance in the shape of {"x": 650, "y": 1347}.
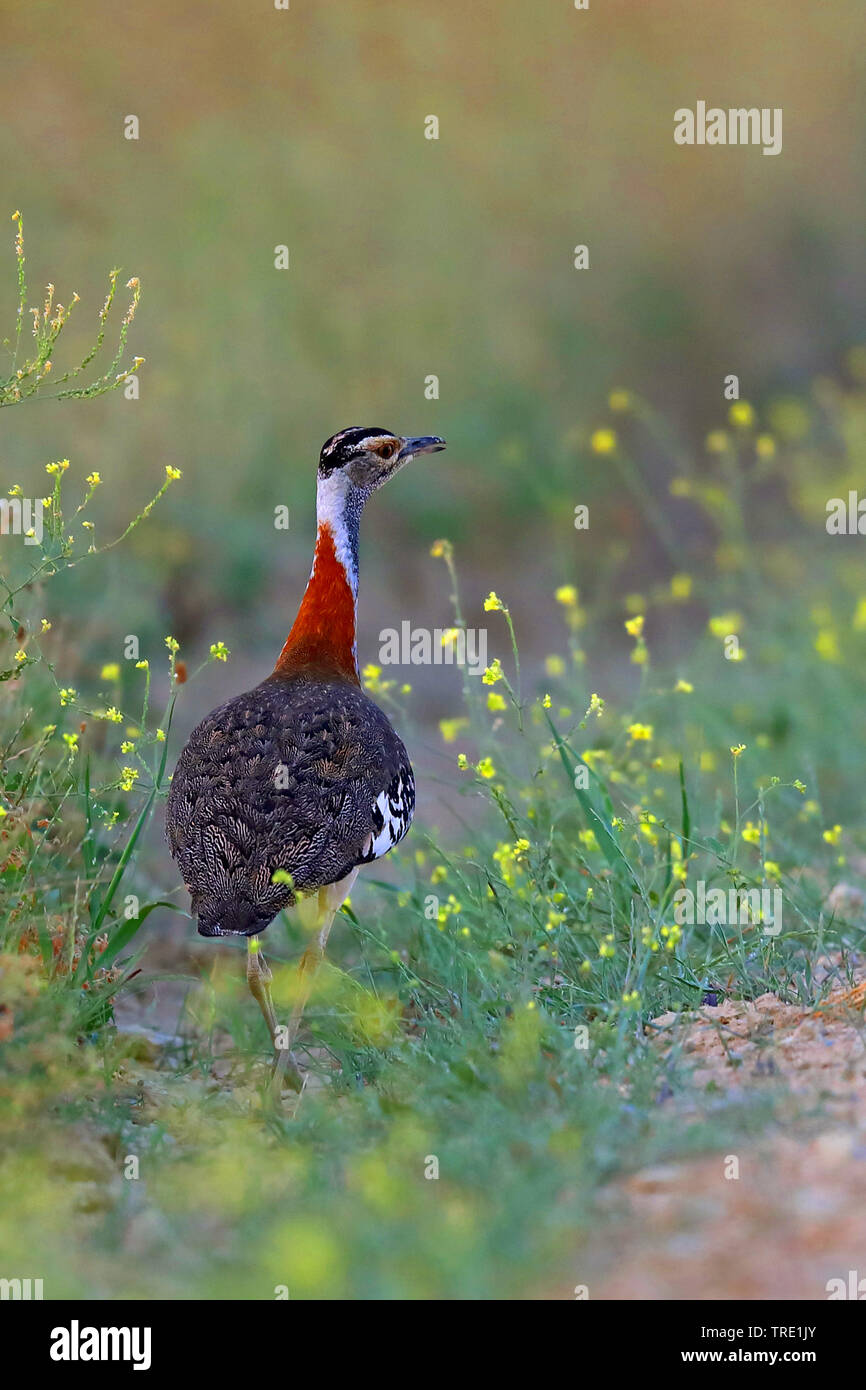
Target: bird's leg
{"x": 329, "y": 901}
{"x": 259, "y": 980}
{"x": 310, "y": 962}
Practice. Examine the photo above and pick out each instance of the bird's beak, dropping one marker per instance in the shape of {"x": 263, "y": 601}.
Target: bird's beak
{"x": 423, "y": 444}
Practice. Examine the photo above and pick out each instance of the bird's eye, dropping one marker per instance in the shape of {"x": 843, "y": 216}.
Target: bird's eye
{"x": 387, "y": 450}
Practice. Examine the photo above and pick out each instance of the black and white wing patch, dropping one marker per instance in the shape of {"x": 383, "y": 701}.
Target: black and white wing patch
{"x": 392, "y": 815}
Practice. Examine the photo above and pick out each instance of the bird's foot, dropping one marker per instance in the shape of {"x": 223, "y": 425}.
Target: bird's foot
{"x": 285, "y": 1072}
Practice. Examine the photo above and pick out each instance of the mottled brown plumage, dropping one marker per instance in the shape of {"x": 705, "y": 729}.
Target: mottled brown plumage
{"x": 289, "y": 776}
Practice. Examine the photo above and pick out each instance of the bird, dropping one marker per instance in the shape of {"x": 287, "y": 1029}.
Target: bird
{"x": 284, "y": 792}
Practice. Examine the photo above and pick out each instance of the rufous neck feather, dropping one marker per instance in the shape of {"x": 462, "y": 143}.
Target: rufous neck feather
{"x": 323, "y": 637}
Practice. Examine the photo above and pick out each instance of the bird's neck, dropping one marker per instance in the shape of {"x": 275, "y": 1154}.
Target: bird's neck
{"x": 323, "y": 635}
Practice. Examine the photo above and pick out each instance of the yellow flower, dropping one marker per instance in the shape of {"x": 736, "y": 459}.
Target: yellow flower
{"x": 172, "y": 644}
{"x": 716, "y": 442}
{"x": 370, "y": 676}
{"x": 493, "y": 673}
{"x": 67, "y": 695}
{"x": 93, "y": 479}
{"x": 20, "y": 656}
{"x": 441, "y": 549}
{"x": 45, "y": 626}
{"x": 737, "y": 749}
{"x": 681, "y": 587}
{"x": 648, "y": 820}
{"x": 127, "y": 746}
{"x": 725, "y": 624}
{"x": 833, "y": 836}
{"x": 449, "y": 636}
{"x": 462, "y": 761}
{"x": 493, "y": 604}
{"x": 128, "y": 777}
{"x": 450, "y": 907}
{"x": 567, "y": 595}
{"x": 71, "y": 741}
{"x": 634, "y": 626}
{"x": 603, "y": 441}
{"x": 546, "y": 702}
{"x": 172, "y": 474}
{"x": 671, "y": 936}
{"x": 752, "y": 833}
{"x": 772, "y": 869}
{"x": 607, "y": 949}
{"x": 485, "y": 768}
{"x": 495, "y": 701}
{"x": 684, "y": 687}
{"x": 765, "y": 446}
{"x": 142, "y": 665}
{"x": 114, "y": 715}
{"x": 640, "y": 732}
{"x": 827, "y": 645}
{"x": 619, "y": 400}
{"x": 554, "y": 665}
{"x": 219, "y": 651}
{"x": 450, "y": 728}
{"x": 741, "y": 415}
{"x": 111, "y": 672}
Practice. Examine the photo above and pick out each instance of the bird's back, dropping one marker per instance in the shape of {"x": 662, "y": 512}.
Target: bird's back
{"x": 302, "y": 774}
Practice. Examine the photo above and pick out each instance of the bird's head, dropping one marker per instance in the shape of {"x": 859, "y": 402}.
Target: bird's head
{"x": 368, "y": 457}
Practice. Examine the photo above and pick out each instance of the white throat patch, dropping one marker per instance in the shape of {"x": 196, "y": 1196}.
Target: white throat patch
{"x": 331, "y": 493}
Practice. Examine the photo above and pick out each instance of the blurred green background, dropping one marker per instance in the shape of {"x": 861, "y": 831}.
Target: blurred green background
{"x": 410, "y": 257}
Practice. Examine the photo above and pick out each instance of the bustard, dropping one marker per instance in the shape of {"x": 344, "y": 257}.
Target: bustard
{"x": 303, "y": 774}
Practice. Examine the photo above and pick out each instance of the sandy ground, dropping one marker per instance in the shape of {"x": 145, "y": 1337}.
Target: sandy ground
{"x": 777, "y": 1219}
